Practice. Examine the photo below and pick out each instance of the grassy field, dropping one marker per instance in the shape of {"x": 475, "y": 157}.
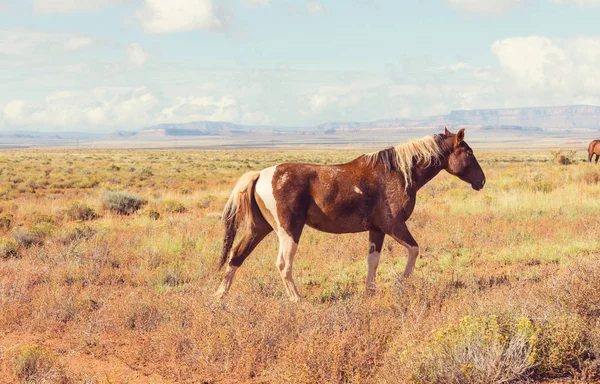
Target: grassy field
{"x": 506, "y": 288}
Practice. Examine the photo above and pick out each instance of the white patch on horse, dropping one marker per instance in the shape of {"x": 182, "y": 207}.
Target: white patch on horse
{"x": 282, "y": 180}
{"x": 264, "y": 189}
{"x": 285, "y": 261}
{"x": 357, "y": 190}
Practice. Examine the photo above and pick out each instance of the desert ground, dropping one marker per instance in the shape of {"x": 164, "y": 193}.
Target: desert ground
{"x": 108, "y": 262}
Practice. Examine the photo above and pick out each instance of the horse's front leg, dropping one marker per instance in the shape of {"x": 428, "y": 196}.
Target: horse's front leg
{"x": 402, "y": 235}
{"x": 375, "y": 243}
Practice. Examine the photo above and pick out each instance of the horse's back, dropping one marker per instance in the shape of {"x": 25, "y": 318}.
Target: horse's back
{"x": 594, "y": 147}
{"x": 332, "y": 198}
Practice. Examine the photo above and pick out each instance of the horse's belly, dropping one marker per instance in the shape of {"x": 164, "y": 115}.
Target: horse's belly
{"x": 338, "y": 223}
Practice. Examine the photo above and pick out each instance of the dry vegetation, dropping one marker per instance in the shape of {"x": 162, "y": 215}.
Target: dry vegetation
{"x": 107, "y": 264}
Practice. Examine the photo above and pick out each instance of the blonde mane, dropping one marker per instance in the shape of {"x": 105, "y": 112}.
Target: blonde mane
{"x": 403, "y": 157}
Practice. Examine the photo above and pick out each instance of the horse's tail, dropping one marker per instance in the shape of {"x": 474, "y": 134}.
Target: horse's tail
{"x": 238, "y": 211}
{"x": 591, "y": 150}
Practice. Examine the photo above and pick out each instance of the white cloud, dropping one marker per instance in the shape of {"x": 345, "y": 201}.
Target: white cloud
{"x": 19, "y": 42}
{"x": 546, "y": 71}
{"x": 490, "y": 7}
{"x": 136, "y": 55}
{"x": 581, "y": 3}
{"x": 104, "y": 106}
{"x": 315, "y": 7}
{"x": 72, "y": 6}
{"x": 160, "y": 16}
{"x": 255, "y": 3}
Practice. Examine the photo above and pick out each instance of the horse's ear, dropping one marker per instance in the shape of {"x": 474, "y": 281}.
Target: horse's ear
{"x": 460, "y": 136}
{"x": 447, "y": 132}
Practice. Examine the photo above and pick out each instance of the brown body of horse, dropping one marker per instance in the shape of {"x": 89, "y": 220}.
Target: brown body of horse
{"x": 375, "y": 192}
{"x": 594, "y": 149}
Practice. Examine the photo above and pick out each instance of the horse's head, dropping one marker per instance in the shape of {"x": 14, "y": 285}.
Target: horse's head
{"x": 462, "y": 162}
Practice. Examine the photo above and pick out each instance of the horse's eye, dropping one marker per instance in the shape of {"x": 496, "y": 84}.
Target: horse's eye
{"x": 469, "y": 153}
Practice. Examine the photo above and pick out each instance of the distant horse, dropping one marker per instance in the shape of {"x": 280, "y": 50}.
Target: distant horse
{"x": 375, "y": 192}
{"x": 594, "y": 149}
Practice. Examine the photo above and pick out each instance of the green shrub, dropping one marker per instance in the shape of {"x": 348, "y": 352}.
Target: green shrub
{"x": 542, "y": 186}
{"x": 9, "y": 249}
{"x": 77, "y": 234}
{"x": 146, "y": 172}
{"x": 77, "y": 211}
{"x": 34, "y": 236}
{"x": 174, "y": 207}
{"x": 36, "y": 364}
{"x": 6, "y": 220}
{"x": 122, "y": 203}
{"x": 564, "y": 158}
{"x": 479, "y": 350}
{"x": 41, "y": 218}
{"x": 561, "y": 346}
{"x": 153, "y": 214}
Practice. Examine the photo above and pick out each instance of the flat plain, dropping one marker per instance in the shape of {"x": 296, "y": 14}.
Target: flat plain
{"x": 93, "y": 291}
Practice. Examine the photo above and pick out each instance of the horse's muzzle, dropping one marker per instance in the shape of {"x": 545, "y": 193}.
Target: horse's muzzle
{"x": 478, "y": 186}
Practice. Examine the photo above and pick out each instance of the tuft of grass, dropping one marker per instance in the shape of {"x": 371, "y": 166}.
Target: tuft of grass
{"x": 173, "y": 206}
{"x": 122, "y": 203}
{"x": 153, "y": 214}
{"x": 79, "y": 211}
{"x": 6, "y": 221}
{"x": 9, "y": 249}
{"x": 591, "y": 176}
{"x": 36, "y": 364}
{"x": 34, "y": 236}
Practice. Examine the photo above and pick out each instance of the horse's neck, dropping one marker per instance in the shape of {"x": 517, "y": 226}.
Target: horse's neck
{"x": 423, "y": 175}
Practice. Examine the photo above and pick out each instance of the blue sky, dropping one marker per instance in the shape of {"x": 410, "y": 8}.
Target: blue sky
{"x": 99, "y": 65}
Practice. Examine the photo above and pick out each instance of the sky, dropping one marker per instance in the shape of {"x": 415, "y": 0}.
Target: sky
{"x": 106, "y": 65}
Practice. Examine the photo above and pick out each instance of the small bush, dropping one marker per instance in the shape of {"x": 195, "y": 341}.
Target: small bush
{"x": 114, "y": 167}
{"x": 147, "y": 172}
{"x": 561, "y": 347}
{"x": 40, "y": 218}
{"x": 34, "y": 236}
{"x": 143, "y": 316}
{"x": 479, "y": 350}
{"x": 9, "y": 249}
{"x": 591, "y": 176}
{"x": 174, "y": 207}
{"x": 81, "y": 212}
{"x": 153, "y": 214}
{"x": 6, "y": 221}
{"x": 36, "y": 364}
{"x": 122, "y": 203}
{"x": 542, "y": 186}
{"x": 564, "y": 158}
{"x": 77, "y": 234}
{"x": 206, "y": 202}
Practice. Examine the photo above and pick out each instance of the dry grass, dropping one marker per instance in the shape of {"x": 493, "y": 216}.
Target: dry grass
{"x": 506, "y": 288}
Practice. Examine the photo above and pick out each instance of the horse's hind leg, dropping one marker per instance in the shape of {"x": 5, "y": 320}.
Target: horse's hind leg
{"x": 251, "y": 238}
{"x": 375, "y": 242}
{"x": 285, "y": 261}
{"x": 597, "y": 156}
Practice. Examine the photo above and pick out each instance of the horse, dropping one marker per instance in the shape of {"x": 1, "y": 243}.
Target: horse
{"x": 594, "y": 149}
{"x": 375, "y": 192}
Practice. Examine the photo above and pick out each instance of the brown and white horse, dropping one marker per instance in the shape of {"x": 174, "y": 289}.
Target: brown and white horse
{"x": 375, "y": 192}
{"x": 594, "y": 149}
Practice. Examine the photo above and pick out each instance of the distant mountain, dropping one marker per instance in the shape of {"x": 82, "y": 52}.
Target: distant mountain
{"x": 535, "y": 118}
{"x": 572, "y": 116}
